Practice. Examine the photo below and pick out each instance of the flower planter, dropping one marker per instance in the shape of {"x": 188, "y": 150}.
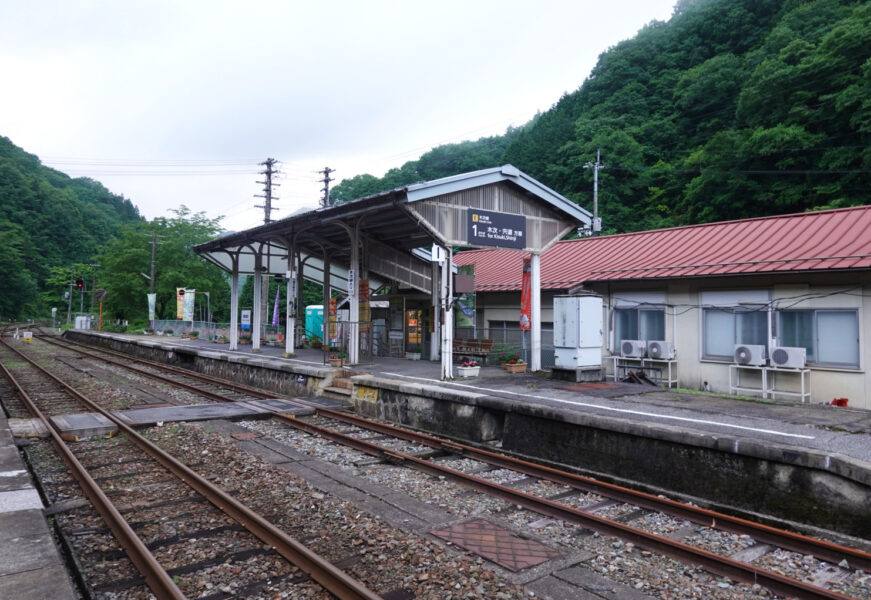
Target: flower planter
{"x": 514, "y": 367}
{"x": 412, "y": 355}
{"x": 335, "y": 362}
{"x": 468, "y": 371}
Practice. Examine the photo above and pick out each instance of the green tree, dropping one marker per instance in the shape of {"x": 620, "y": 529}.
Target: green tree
{"x": 126, "y": 258}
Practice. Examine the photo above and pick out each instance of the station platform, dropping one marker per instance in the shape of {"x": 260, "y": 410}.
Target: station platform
{"x": 31, "y": 567}
{"x": 717, "y": 449}
{"x": 845, "y": 431}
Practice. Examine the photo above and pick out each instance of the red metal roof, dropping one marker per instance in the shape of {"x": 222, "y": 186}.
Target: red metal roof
{"x": 823, "y": 240}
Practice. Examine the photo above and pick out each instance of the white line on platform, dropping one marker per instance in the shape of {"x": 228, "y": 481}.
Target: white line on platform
{"x": 612, "y": 409}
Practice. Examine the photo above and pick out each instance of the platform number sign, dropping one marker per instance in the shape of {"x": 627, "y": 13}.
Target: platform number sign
{"x": 486, "y": 228}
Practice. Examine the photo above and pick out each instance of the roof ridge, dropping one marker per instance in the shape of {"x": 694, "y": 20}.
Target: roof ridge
{"x": 806, "y": 214}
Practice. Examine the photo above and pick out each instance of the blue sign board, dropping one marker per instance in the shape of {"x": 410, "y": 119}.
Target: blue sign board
{"x": 486, "y": 228}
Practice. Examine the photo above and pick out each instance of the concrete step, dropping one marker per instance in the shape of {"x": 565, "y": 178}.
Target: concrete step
{"x": 340, "y": 391}
{"x": 343, "y": 382}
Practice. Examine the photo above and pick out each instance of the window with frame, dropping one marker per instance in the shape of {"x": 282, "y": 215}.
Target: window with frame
{"x": 830, "y": 336}
{"x": 639, "y": 323}
{"x": 724, "y": 328}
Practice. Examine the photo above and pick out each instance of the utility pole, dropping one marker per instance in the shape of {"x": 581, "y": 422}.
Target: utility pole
{"x": 268, "y": 184}
{"x": 325, "y": 201}
{"x": 153, "y": 261}
{"x": 597, "y": 222}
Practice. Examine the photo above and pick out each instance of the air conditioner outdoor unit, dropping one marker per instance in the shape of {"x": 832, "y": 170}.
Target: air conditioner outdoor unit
{"x": 660, "y": 349}
{"x": 750, "y": 355}
{"x": 788, "y": 358}
{"x": 633, "y": 348}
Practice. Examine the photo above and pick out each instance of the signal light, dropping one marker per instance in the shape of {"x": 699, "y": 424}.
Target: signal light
{"x": 80, "y": 283}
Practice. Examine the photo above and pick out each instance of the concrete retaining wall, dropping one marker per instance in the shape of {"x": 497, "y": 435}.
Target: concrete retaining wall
{"x": 280, "y": 377}
{"x": 752, "y": 477}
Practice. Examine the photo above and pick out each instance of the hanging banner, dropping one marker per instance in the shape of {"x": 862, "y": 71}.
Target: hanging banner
{"x": 179, "y": 303}
{"x": 365, "y": 315}
{"x": 332, "y": 318}
{"x": 466, "y": 304}
{"x": 526, "y": 296}
{"x": 190, "y": 296}
{"x": 152, "y": 303}
{"x": 275, "y": 311}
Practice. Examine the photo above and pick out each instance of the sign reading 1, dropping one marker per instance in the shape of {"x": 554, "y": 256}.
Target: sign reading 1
{"x": 487, "y": 228}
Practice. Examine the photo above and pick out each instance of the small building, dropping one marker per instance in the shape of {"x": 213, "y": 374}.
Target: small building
{"x": 778, "y": 307}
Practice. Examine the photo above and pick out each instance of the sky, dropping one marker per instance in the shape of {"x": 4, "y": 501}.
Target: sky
{"x": 176, "y": 102}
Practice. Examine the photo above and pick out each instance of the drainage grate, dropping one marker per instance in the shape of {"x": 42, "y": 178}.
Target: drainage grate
{"x": 497, "y": 544}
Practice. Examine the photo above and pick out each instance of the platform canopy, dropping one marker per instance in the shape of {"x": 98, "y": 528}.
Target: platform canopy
{"x": 404, "y": 236}
{"x": 394, "y": 223}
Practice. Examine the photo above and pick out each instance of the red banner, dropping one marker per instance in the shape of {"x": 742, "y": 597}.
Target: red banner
{"x": 526, "y": 296}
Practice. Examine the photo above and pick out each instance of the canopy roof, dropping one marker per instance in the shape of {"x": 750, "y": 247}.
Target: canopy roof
{"x": 814, "y": 241}
{"x": 393, "y": 224}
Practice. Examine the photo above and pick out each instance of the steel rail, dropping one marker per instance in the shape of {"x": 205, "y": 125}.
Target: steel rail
{"x": 155, "y": 576}
{"x": 336, "y": 581}
{"x": 721, "y": 565}
{"x": 821, "y": 549}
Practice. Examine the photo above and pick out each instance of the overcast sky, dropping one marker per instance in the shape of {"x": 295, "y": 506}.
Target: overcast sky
{"x": 175, "y": 102}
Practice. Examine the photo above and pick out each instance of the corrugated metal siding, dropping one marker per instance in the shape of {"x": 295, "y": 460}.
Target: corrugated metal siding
{"x": 835, "y": 239}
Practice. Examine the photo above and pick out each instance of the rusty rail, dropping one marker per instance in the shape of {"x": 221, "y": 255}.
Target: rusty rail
{"x": 339, "y": 583}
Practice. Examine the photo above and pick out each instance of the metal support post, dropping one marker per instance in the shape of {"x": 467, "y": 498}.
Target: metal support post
{"x": 257, "y": 321}
{"x": 535, "y": 302}
{"x": 234, "y": 305}
{"x": 354, "y": 297}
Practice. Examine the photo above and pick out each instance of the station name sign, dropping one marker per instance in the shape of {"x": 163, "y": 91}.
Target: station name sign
{"x": 486, "y": 228}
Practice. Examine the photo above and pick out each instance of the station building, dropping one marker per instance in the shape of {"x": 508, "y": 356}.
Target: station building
{"x": 778, "y": 307}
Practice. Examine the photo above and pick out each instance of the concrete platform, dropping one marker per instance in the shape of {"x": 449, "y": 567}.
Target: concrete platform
{"x": 84, "y": 426}
{"x": 30, "y": 565}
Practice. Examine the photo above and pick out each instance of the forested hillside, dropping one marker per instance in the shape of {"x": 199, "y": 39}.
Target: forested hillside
{"x": 48, "y": 220}
{"x": 732, "y": 109}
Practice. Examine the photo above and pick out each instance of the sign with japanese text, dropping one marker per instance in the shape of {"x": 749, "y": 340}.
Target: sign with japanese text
{"x": 486, "y": 228}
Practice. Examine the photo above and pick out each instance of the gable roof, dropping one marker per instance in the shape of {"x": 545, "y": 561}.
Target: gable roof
{"x": 837, "y": 239}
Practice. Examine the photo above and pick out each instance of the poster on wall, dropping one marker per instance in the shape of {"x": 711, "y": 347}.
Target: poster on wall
{"x": 365, "y": 315}
{"x": 188, "y": 306}
{"x": 179, "y": 303}
{"x": 466, "y": 304}
{"x": 526, "y": 296}
{"x": 332, "y": 318}
{"x": 152, "y": 302}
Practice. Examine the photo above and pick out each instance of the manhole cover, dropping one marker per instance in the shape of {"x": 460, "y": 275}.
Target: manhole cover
{"x": 497, "y": 544}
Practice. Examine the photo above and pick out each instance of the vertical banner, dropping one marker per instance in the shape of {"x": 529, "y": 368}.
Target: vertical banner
{"x": 332, "y": 318}
{"x": 275, "y": 311}
{"x": 526, "y": 296}
{"x": 152, "y": 303}
{"x": 365, "y": 315}
{"x": 189, "y": 297}
{"x": 179, "y": 303}
{"x": 466, "y": 304}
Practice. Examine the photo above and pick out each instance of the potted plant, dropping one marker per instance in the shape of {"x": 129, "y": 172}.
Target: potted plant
{"x": 337, "y": 359}
{"x": 245, "y": 339}
{"x": 469, "y": 368}
{"x": 512, "y": 363}
{"x": 167, "y": 332}
{"x": 413, "y": 352}
{"x": 194, "y": 334}
{"x": 315, "y": 342}
{"x": 221, "y": 339}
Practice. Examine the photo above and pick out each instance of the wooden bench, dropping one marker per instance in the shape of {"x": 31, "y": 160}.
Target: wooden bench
{"x": 473, "y": 347}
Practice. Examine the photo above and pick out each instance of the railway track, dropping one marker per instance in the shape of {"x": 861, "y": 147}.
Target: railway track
{"x": 152, "y": 476}
{"x": 578, "y": 500}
